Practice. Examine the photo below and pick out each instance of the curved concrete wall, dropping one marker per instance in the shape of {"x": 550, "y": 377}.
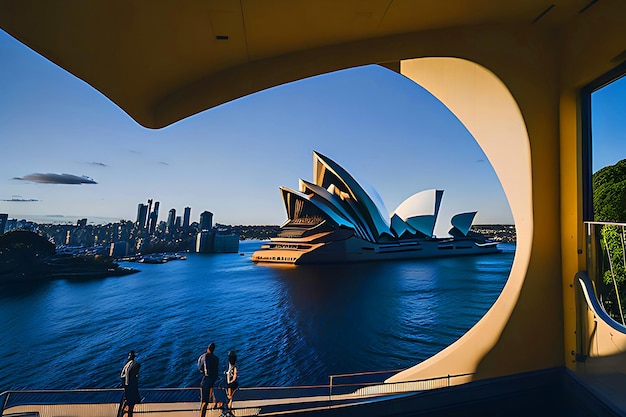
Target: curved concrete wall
{"x": 601, "y": 360}
{"x": 601, "y": 336}
{"x": 534, "y": 323}
{"x": 489, "y": 112}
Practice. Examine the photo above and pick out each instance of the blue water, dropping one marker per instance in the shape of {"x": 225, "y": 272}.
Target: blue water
{"x": 288, "y": 325}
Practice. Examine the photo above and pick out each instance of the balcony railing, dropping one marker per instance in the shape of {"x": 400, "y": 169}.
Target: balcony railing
{"x": 606, "y": 265}
{"x": 342, "y": 390}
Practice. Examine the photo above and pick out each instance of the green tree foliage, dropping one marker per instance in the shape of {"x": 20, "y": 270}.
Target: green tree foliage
{"x": 609, "y": 202}
{"x": 613, "y": 239}
{"x": 609, "y": 193}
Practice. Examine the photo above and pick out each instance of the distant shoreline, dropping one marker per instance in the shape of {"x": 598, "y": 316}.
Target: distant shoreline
{"x": 504, "y": 233}
{"x": 100, "y": 220}
{"x": 64, "y": 220}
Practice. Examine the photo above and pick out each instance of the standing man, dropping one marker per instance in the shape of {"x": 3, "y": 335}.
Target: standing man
{"x": 208, "y": 364}
{"x": 130, "y": 382}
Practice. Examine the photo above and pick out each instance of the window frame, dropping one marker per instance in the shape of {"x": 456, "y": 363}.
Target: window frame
{"x": 587, "y": 135}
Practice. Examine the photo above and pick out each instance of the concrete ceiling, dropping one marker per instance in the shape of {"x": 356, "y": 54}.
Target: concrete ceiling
{"x": 164, "y": 60}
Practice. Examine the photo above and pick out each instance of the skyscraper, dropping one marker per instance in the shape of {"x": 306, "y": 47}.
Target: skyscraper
{"x": 142, "y": 215}
{"x": 153, "y": 218}
{"x": 206, "y": 220}
{"x": 186, "y": 217}
{"x": 148, "y": 214}
{"x": 171, "y": 219}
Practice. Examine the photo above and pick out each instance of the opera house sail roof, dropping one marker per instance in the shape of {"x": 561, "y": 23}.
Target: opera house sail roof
{"x": 333, "y": 219}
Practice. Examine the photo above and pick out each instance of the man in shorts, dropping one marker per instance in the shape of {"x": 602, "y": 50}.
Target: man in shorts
{"x": 208, "y": 364}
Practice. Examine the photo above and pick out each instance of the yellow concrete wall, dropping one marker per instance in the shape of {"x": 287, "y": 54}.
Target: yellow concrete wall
{"x": 533, "y": 324}
{"x": 523, "y": 330}
{"x": 592, "y": 44}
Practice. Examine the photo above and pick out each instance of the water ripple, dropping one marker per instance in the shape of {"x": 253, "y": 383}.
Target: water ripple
{"x": 289, "y": 326}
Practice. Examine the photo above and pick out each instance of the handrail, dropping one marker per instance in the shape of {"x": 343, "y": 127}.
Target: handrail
{"x": 93, "y": 396}
{"x": 360, "y": 390}
{"x": 592, "y": 300}
{"x": 589, "y": 223}
{"x": 601, "y": 257}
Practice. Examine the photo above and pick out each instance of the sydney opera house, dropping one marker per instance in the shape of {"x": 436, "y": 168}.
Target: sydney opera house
{"x": 333, "y": 219}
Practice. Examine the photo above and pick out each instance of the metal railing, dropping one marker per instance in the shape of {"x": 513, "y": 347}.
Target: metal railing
{"x": 606, "y": 264}
{"x": 342, "y": 389}
{"x": 95, "y": 397}
{"x": 372, "y": 383}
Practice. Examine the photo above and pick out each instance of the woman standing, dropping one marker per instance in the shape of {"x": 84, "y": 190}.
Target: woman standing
{"x": 232, "y": 383}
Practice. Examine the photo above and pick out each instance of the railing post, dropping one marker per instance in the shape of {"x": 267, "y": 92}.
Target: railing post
{"x": 330, "y": 391}
{"x": 4, "y": 402}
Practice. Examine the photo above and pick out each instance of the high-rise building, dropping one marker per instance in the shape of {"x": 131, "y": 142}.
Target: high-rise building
{"x": 81, "y": 222}
{"x": 142, "y": 215}
{"x": 148, "y": 213}
{"x": 119, "y": 249}
{"x": 3, "y": 222}
{"x": 153, "y": 218}
{"x": 177, "y": 222}
{"x": 186, "y": 217}
{"x": 206, "y": 220}
{"x": 204, "y": 241}
{"x": 225, "y": 243}
{"x": 171, "y": 219}
{"x": 208, "y": 241}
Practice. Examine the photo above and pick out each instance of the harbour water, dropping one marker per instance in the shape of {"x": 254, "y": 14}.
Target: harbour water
{"x": 290, "y": 325}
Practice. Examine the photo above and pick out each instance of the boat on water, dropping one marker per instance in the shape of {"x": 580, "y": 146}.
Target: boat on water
{"x": 160, "y": 258}
{"x": 333, "y": 219}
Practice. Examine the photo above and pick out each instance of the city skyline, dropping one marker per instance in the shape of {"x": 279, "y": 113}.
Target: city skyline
{"x": 72, "y": 153}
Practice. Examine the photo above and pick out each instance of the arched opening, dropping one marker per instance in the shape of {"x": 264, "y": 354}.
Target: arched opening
{"x": 156, "y": 155}
{"x": 488, "y": 110}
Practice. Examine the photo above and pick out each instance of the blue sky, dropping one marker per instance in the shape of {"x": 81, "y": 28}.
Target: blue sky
{"x": 387, "y": 131}
{"x": 608, "y": 124}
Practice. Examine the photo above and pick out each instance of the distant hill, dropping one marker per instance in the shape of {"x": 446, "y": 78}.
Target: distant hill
{"x": 609, "y": 193}
{"x": 23, "y": 256}
{"x": 26, "y": 256}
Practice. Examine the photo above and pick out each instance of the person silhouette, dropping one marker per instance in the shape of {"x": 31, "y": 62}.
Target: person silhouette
{"x": 130, "y": 382}
{"x": 208, "y": 364}
{"x": 232, "y": 380}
